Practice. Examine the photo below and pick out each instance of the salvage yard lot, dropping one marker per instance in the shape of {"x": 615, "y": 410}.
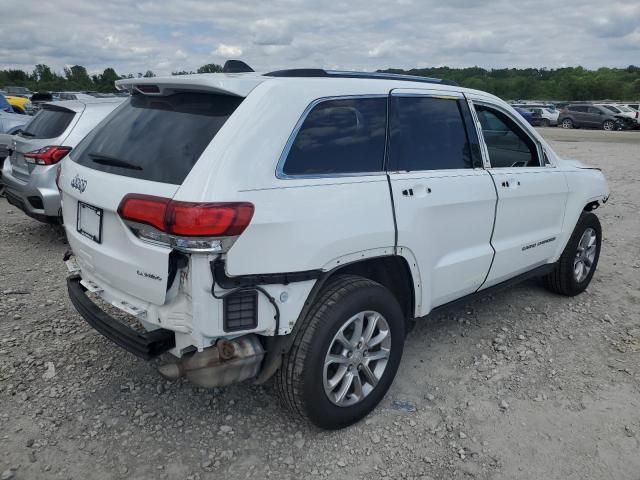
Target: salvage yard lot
{"x": 516, "y": 385}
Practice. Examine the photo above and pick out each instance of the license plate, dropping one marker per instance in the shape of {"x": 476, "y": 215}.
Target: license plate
{"x": 17, "y": 160}
{"x": 90, "y": 221}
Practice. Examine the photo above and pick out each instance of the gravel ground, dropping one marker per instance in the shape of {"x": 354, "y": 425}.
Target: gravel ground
{"x": 520, "y": 384}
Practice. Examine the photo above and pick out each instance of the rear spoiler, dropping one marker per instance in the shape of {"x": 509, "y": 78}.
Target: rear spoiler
{"x": 226, "y": 84}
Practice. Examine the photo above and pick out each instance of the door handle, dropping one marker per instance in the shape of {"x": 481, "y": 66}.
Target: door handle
{"x": 511, "y": 183}
{"x": 416, "y": 190}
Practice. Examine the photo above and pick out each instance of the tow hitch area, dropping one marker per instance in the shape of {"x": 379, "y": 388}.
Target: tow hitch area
{"x": 225, "y": 363}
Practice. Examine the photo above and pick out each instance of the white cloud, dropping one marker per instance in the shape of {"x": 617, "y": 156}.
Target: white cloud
{"x": 359, "y": 34}
{"x": 271, "y": 32}
{"x": 228, "y": 50}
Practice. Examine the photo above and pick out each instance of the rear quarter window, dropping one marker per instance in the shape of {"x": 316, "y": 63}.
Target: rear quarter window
{"x": 340, "y": 136}
{"x": 50, "y": 122}
{"x": 156, "y": 138}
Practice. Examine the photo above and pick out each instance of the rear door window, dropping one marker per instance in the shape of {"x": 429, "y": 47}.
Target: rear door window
{"x": 156, "y": 138}
{"x": 429, "y": 133}
{"x": 50, "y": 122}
{"x": 340, "y": 136}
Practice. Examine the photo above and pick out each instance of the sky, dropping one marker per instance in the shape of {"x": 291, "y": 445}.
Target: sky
{"x": 166, "y": 36}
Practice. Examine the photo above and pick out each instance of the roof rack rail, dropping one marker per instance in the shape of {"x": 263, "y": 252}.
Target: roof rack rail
{"x": 319, "y": 72}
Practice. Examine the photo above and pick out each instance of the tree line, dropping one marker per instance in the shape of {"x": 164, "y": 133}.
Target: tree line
{"x": 572, "y": 83}
{"x": 76, "y": 78}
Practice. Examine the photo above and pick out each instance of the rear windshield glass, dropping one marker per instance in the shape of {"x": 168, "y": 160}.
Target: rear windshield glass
{"x": 156, "y": 138}
{"x": 48, "y": 123}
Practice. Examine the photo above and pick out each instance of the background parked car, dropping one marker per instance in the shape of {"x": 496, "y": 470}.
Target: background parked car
{"x": 633, "y": 107}
{"x": 5, "y": 106}
{"x": 548, "y": 116}
{"x": 21, "y": 105}
{"x": 11, "y": 122}
{"x": 29, "y": 175}
{"x": 618, "y": 109}
{"x": 528, "y": 116}
{"x": 40, "y": 98}
{"x": 74, "y": 96}
{"x": 18, "y": 91}
{"x": 586, "y": 115}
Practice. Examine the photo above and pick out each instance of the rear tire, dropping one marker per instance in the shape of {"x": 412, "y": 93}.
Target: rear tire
{"x": 577, "y": 264}
{"x": 545, "y": 122}
{"x": 567, "y": 123}
{"x": 331, "y": 349}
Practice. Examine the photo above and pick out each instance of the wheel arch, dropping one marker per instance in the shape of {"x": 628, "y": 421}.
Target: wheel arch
{"x": 391, "y": 271}
{"x": 588, "y": 190}
{"x": 397, "y": 272}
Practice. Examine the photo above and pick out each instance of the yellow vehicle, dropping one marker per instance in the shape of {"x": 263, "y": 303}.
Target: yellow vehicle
{"x": 20, "y": 104}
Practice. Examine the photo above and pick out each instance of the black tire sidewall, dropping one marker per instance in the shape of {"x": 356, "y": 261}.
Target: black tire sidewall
{"x": 587, "y": 220}
{"x": 320, "y": 410}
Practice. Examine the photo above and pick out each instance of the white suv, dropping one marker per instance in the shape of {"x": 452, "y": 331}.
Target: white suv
{"x": 295, "y": 224}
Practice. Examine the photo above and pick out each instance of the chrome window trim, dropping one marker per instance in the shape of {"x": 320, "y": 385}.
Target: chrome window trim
{"x": 524, "y": 127}
{"x": 292, "y": 137}
{"x": 483, "y": 146}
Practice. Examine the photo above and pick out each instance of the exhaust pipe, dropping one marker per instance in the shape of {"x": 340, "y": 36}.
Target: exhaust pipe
{"x": 225, "y": 363}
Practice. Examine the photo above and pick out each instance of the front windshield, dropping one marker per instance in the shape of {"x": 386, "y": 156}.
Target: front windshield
{"x": 624, "y": 109}
{"x": 612, "y": 108}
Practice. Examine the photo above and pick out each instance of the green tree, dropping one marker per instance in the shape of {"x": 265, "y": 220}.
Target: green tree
{"x": 42, "y": 73}
{"x": 77, "y": 73}
{"x": 210, "y": 68}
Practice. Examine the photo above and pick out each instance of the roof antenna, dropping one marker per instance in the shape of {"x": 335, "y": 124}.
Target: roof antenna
{"x": 236, "y": 66}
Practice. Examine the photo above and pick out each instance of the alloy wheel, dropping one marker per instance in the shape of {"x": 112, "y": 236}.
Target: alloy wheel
{"x": 585, "y": 255}
{"x": 357, "y": 358}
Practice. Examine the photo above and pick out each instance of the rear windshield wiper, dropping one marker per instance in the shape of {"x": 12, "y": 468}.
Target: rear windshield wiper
{"x": 24, "y": 133}
{"x": 115, "y": 162}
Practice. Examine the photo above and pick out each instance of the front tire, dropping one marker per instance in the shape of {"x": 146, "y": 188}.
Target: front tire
{"x": 567, "y": 123}
{"x": 577, "y": 264}
{"x": 545, "y": 122}
{"x": 345, "y": 354}
{"x": 608, "y": 125}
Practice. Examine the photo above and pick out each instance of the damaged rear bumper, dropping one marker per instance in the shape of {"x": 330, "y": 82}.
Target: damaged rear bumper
{"x": 144, "y": 345}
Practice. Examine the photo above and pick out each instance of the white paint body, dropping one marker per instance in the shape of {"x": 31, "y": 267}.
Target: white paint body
{"x": 464, "y": 236}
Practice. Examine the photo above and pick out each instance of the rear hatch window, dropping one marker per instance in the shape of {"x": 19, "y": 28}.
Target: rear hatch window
{"x": 156, "y": 138}
{"x": 50, "y": 122}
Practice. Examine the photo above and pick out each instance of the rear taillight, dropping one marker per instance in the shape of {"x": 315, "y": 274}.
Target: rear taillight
{"x": 185, "y": 225}
{"x": 47, "y": 155}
